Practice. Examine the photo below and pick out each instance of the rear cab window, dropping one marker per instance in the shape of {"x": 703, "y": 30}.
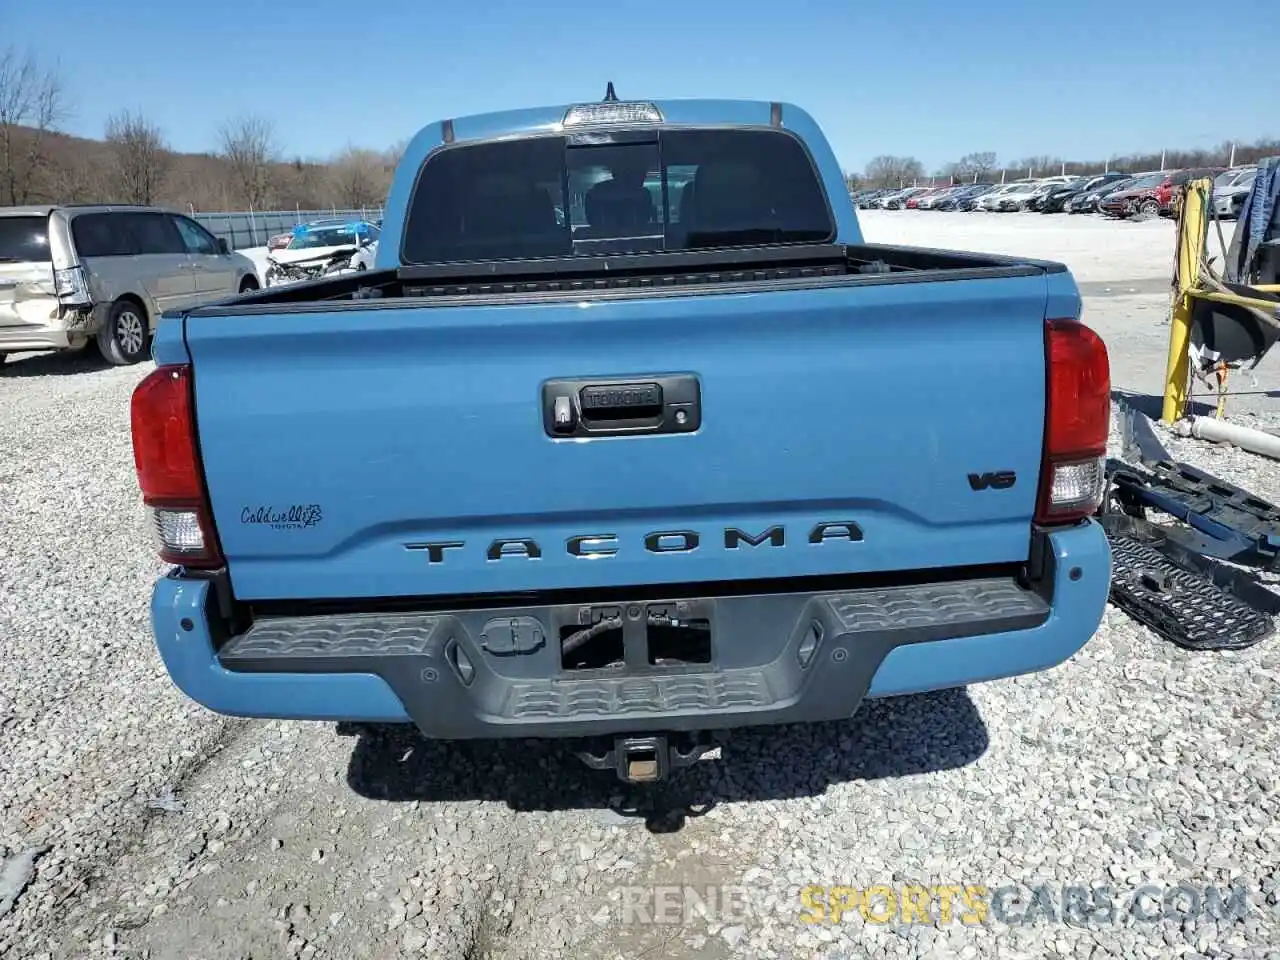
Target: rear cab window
{"x": 24, "y": 239}
{"x": 615, "y": 192}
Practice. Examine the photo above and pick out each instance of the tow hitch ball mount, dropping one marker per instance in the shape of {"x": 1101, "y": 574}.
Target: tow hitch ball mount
{"x": 647, "y": 759}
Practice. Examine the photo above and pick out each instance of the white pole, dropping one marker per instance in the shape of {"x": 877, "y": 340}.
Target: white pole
{"x": 1162, "y": 156}
{"x": 1232, "y": 161}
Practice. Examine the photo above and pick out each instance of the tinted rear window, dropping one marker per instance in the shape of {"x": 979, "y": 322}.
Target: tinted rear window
{"x": 125, "y": 234}
{"x": 102, "y": 235}
{"x": 635, "y": 192}
{"x": 24, "y": 239}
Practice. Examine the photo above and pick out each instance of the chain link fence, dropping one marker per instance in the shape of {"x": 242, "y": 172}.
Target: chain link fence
{"x": 253, "y": 228}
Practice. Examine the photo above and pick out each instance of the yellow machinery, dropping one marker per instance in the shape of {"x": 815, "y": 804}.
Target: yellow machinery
{"x": 1196, "y": 282}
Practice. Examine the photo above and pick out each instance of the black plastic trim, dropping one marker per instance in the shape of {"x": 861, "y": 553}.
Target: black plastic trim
{"x": 520, "y": 686}
{"x": 724, "y": 257}
{"x": 775, "y": 114}
{"x": 446, "y": 131}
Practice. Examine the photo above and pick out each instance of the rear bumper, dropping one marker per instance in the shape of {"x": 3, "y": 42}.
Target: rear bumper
{"x": 59, "y": 333}
{"x": 870, "y": 643}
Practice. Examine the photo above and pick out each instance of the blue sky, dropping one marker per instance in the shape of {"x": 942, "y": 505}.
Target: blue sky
{"x": 928, "y": 78}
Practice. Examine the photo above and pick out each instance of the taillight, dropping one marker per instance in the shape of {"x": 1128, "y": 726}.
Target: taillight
{"x": 164, "y": 454}
{"x": 71, "y": 288}
{"x": 1077, "y": 421}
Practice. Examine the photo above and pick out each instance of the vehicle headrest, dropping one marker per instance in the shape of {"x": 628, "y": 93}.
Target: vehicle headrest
{"x": 611, "y": 206}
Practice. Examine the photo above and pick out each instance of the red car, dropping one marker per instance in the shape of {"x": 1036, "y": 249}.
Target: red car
{"x": 1152, "y": 194}
{"x": 1138, "y": 197}
{"x": 914, "y": 202}
{"x": 279, "y": 241}
{"x": 1166, "y": 191}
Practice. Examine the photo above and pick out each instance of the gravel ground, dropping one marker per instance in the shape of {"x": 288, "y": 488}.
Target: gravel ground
{"x": 158, "y": 829}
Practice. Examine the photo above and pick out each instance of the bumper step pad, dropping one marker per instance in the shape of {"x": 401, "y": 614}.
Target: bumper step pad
{"x": 776, "y": 650}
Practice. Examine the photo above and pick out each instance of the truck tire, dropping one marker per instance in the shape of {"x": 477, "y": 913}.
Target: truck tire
{"x": 123, "y": 338}
{"x": 1149, "y": 208}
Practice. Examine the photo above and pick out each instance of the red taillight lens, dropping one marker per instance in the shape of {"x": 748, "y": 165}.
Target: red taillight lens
{"x": 164, "y": 454}
{"x": 1077, "y": 422}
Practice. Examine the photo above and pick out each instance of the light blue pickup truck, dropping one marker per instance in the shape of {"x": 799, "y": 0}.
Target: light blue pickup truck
{"x": 628, "y": 437}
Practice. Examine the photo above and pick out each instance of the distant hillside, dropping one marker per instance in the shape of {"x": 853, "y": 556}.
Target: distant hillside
{"x": 70, "y": 169}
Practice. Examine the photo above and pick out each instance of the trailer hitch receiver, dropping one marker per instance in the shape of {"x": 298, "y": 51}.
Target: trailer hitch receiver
{"x": 646, "y": 759}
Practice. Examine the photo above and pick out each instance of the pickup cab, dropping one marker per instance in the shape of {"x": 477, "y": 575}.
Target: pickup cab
{"x": 628, "y": 438}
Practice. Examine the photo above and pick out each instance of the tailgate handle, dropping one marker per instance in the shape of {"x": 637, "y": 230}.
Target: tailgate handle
{"x": 601, "y": 407}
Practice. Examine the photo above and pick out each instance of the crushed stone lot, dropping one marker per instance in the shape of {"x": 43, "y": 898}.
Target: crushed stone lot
{"x": 134, "y": 823}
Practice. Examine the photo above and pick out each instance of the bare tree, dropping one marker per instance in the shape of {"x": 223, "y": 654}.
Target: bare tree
{"x": 141, "y": 154}
{"x": 1044, "y": 165}
{"x": 73, "y": 178}
{"x": 975, "y": 166}
{"x": 890, "y": 171}
{"x": 395, "y": 153}
{"x": 31, "y": 106}
{"x": 361, "y": 178}
{"x": 248, "y": 145}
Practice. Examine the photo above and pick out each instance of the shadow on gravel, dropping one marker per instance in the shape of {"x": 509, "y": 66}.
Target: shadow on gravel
{"x": 87, "y": 360}
{"x": 898, "y": 737}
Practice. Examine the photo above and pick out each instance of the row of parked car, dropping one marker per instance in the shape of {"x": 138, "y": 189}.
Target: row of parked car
{"x": 1113, "y": 194}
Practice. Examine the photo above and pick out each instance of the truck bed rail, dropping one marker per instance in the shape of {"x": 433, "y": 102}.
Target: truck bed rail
{"x": 799, "y": 266}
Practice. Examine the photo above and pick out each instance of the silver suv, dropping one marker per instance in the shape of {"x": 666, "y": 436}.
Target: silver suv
{"x": 72, "y": 274}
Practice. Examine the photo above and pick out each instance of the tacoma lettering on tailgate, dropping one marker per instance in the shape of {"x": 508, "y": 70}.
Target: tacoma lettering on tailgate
{"x": 594, "y": 545}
